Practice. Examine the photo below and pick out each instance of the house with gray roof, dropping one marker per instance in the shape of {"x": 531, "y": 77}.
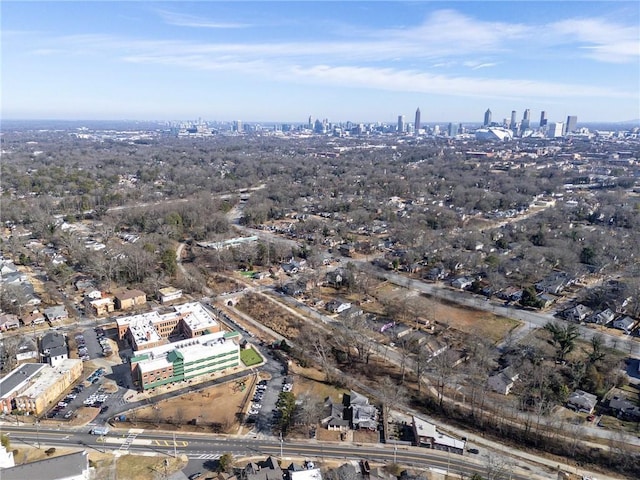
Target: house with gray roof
{"x": 53, "y": 348}
{"x": 361, "y": 413}
{"x": 56, "y": 314}
{"x": 74, "y": 466}
{"x": 503, "y": 381}
{"x": 334, "y": 418}
{"x": 626, "y": 324}
{"x": 581, "y": 401}
{"x": 268, "y": 469}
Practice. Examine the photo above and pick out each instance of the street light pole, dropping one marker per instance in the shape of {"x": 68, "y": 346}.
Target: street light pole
{"x": 38, "y": 432}
{"x": 281, "y": 456}
{"x": 395, "y": 451}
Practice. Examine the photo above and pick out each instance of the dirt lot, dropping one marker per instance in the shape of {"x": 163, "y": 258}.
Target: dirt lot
{"x": 466, "y": 320}
{"x": 270, "y": 315}
{"x": 213, "y": 408}
{"x": 221, "y": 285}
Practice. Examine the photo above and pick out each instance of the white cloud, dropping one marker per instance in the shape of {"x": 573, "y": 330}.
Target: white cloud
{"x": 422, "y": 82}
{"x": 474, "y": 65}
{"x": 603, "y": 41}
{"x": 193, "y": 21}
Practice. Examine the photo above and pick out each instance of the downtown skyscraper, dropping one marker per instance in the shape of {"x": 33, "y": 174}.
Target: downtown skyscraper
{"x": 487, "y": 118}
{"x": 416, "y": 124}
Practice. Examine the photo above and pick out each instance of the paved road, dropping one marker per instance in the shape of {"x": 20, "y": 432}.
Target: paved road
{"x": 206, "y": 447}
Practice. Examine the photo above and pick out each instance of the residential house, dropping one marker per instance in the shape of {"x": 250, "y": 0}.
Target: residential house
{"x": 434, "y": 346}
{"x": 624, "y": 409}
{"x": 27, "y": 350}
{"x": 503, "y": 381}
{"x": 293, "y": 289}
{"x": 8, "y": 321}
{"x": 334, "y": 418}
{"x": 304, "y": 472}
{"x": 350, "y": 313}
{"x": 169, "y": 294}
{"x": 626, "y": 324}
{"x": 462, "y": 283}
{"x": 511, "y": 294}
{"x": 362, "y": 414}
{"x": 84, "y": 284}
{"x": 554, "y": 283}
{"x": 35, "y": 318}
{"x": 102, "y": 306}
{"x": 53, "y": 348}
{"x": 577, "y": 314}
{"x": 337, "y": 306}
{"x": 92, "y": 294}
{"x": 127, "y": 299}
{"x": 581, "y": 401}
{"x": 546, "y": 299}
{"x": 436, "y": 273}
{"x": 602, "y": 318}
{"x": 336, "y": 277}
{"x": 56, "y": 313}
{"x": 268, "y": 469}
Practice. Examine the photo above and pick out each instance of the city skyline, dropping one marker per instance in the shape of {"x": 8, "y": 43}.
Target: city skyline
{"x": 358, "y": 61}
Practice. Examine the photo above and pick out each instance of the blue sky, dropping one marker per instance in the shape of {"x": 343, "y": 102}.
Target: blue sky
{"x": 285, "y": 61}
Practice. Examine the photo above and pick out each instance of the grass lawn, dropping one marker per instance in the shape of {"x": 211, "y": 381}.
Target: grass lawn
{"x": 247, "y": 274}
{"x": 132, "y": 467}
{"x": 250, "y": 357}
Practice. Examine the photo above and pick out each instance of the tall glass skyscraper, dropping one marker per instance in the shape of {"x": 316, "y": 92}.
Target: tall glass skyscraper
{"x": 487, "y": 118}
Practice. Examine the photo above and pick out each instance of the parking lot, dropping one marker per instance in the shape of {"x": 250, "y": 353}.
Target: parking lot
{"x": 88, "y": 393}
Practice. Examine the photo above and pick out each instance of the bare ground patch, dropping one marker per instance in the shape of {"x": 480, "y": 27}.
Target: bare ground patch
{"x": 467, "y": 320}
{"x": 213, "y": 408}
{"x": 270, "y": 315}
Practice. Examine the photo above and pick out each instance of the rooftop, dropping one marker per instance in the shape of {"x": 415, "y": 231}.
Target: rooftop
{"x": 19, "y": 377}
{"x": 73, "y": 465}
{"x": 191, "y": 350}
{"x": 48, "y": 376}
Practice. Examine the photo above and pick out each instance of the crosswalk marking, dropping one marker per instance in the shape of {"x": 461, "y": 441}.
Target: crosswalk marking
{"x": 210, "y": 456}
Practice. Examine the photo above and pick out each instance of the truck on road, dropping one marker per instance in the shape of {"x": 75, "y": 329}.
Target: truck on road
{"x": 99, "y": 430}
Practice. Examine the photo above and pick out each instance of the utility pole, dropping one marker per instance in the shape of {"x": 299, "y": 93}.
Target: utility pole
{"x": 281, "y": 456}
{"x": 38, "y": 432}
{"x": 175, "y": 451}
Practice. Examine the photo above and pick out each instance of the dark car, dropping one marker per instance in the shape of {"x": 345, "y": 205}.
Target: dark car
{"x": 104, "y": 408}
{"x": 473, "y": 450}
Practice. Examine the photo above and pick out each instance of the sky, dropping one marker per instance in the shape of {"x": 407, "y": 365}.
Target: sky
{"x": 340, "y": 60}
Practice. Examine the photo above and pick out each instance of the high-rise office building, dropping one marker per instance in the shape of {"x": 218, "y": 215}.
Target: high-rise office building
{"x": 514, "y": 122}
{"x": 237, "y": 126}
{"x": 555, "y": 130}
{"x": 400, "y": 123}
{"x": 487, "y": 118}
{"x": 417, "y": 122}
{"x": 572, "y": 121}
{"x": 453, "y": 129}
{"x": 543, "y": 118}
{"x": 526, "y": 119}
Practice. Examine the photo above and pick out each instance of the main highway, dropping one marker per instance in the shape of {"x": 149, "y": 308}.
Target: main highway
{"x": 206, "y": 446}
